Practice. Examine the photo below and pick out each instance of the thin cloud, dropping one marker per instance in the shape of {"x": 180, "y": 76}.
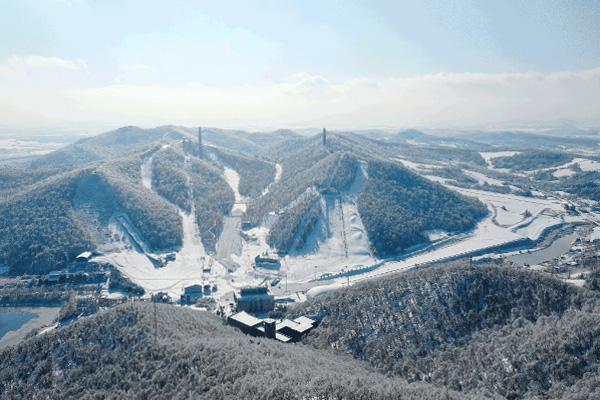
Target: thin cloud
{"x": 455, "y": 100}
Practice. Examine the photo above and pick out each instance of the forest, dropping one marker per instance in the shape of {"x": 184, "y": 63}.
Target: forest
{"x": 51, "y": 221}
{"x": 397, "y": 206}
{"x": 119, "y": 354}
{"x": 255, "y": 174}
{"x": 496, "y": 330}
{"x": 530, "y": 160}
{"x": 213, "y": 199}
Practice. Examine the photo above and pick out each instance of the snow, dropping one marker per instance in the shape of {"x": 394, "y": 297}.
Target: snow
{"x": 146, "y": 173}
{"x": 276, "y": 179}
{"x": 339, "y": 241}
{"x": 566, "y": 170}
{"x": 563, "y": 172}
{"x": 233, "y": 180}
{"x": 438, "y": 179}
{"x": 506, "y": 227}
{"x": 323, "y": 289}
{"x": 229, "y": 242}
{"x": 488, "y": 156}
{"x": 435, "y": 235}
{"x": 483, "y": 179}
{"x": 595, "y": 235}
{"x": 185, "y": 270}
{"x": 588, "y": 165}
{"x": 416, "y": 166}
{"x": 15, "y": 148}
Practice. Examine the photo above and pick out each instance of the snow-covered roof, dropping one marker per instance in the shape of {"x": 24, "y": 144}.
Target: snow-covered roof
{"x": 298, "y": 327}
{"x": 86, "y": 255}
{"x": 282, "y": 338}
{"x": 246, "y": 319}
{"x": 304, "y": 320}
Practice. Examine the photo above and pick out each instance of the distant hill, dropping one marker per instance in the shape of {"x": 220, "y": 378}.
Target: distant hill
{"x": 116, "y": 355}
{"x": 526, "y": 140}
{"x": 502, "y": 331}
{"x": 111, "y": 144}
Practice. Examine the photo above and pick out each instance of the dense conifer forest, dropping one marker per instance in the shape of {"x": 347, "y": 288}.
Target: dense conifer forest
{"x": 119, "y": 354}
{"x": 397, "y": 207}
{"x": 496, "y": 330}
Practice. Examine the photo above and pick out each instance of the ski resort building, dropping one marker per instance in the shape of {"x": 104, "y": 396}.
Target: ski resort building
{"x": 266, "y": 262}
{"x": 191, "y": 294}
{"x": 254, "y": 299}
{"x": 284, "y": 330}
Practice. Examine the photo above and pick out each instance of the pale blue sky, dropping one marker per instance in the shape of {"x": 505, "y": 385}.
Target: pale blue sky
{"x": 292, "y": 56}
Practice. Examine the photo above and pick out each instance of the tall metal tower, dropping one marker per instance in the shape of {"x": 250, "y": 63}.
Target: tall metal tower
{"x": 324, "y": 137}
{"x": 200, "y": 142}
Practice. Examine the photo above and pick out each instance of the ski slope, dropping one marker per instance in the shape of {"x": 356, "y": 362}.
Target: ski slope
{"x": 339, "y": 240}
{"x": 185, "y": 270}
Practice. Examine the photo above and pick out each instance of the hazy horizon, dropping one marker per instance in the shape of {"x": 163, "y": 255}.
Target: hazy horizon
{"x": 84, "y": 67}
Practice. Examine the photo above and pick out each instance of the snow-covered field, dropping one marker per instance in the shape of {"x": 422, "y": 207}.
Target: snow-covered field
{"x": 419, "y": 167}
{"x": 17, "y": 148}
{"x": 489, "y": 155}
{"x": 483, "y": 179}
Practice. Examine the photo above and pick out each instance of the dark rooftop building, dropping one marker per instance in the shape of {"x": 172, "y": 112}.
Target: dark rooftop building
{"x": 191, "y": 294}
{"x": 254, "y": 299}
{"x": 267, "y": 262}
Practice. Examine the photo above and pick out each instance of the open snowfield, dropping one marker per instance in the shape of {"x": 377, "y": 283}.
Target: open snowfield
{"x": 483, "y": 179}
{"x": 489, "y": 155}
{"x": 17, "y": 148}
{"x": 418, "y": 167}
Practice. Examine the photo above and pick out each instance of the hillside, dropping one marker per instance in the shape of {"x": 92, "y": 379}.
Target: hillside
{"x": 530, "y": 160}
{"x": 48, "y": 223}
{"x": 116, "y": 355}
{"x": 396, "y": 205}
{"x": 505, "y": 331}
{"x": 111, "y": 144}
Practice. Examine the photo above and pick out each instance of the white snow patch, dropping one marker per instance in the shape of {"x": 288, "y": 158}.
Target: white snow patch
{"x": 233, "y": 180}
{"x": 595, "y": 235}
{"x": 146, "y": 173}
{"x": 563, "y": 172}
{"x": 483, "y": 179}
{"x": 488, "y": 156}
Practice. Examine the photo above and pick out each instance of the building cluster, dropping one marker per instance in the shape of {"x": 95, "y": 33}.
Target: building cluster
{"x": 284, "y": 330}
{"x": 193, "y": 293}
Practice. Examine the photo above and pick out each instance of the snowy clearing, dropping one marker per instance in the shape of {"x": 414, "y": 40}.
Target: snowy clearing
{"x": 483, "y": 179}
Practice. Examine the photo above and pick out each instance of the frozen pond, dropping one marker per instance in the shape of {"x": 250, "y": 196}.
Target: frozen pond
{"x": 559, "y": 247}
{"x": 17, "y": 322}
